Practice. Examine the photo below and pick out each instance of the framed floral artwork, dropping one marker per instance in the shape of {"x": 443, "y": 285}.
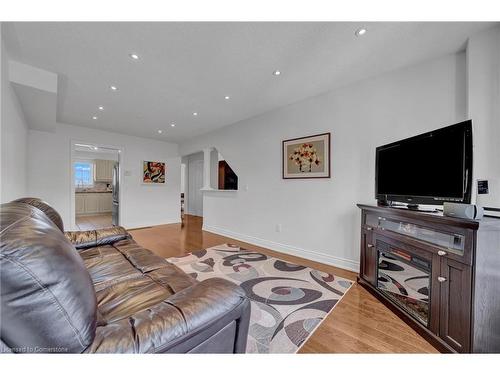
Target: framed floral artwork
{"x": 307, "y": 157}
{"x": 153, "y": 172}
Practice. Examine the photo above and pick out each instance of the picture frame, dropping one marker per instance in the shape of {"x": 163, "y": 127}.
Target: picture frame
{"x": 153, "y": 172}
{"x": 306, "y": 157}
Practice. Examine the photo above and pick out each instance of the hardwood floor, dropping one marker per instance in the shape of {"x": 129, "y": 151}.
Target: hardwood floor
{"x": 358, "y": 324}
{"x": 90, "y": 222}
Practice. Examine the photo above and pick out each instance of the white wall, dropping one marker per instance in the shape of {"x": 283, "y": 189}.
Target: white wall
{"x": 13, "y": 138}
{"x": 89, "y": 155}
{"x": 49, "y": 169}
{"x": 319, "y": 218}
{"x": 483, "y": 62}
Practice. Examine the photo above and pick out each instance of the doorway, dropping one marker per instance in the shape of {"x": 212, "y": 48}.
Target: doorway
{"x": 95, "y": 186}
{"x": 193, "y": 178}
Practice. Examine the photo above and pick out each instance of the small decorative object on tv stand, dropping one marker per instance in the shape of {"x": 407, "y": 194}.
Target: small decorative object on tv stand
{"x": 439, "y": 274}
{"x": 406, "y": 206}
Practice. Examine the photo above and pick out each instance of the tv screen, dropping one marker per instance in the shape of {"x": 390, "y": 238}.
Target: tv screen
{"x": 430, "y": 168}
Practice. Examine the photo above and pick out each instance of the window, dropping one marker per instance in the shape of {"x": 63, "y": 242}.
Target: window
{"x": 84, "y": 173}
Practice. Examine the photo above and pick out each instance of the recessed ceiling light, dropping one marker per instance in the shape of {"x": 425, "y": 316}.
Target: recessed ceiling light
{"x": 134, "y": 56}
{"x": 195, "y": 113}
{"x": 276, "y": 73}
{"x": 114, "y": 88}
{"x": 95, "y": 148}
{"x": 172, "y": 125}
{"x": 360, "y": 32}
{"x": 101, "y": 108}
{"x": 160, "y": 131}
{"x": 94, "y": 117}
{"x": 227, "y": 97}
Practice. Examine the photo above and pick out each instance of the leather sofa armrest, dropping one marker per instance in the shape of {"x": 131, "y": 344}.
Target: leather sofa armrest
{"x": 91, "y": 238}
{"x": 180, "y": 322}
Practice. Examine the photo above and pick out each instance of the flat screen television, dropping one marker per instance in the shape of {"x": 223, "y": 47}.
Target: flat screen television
{"x": 430, "y": 168}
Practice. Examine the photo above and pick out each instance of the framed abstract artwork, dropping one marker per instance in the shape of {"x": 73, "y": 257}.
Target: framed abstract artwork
{"x": 153, "y": 172}
{"x": 307, "y": 157}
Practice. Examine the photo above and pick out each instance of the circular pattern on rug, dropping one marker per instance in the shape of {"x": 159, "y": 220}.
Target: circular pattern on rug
{"x": 243, "y": 257}
{"x": 287, "y": 267}
{"x": 261, "y": 290}
{"x": 330, "y": 282}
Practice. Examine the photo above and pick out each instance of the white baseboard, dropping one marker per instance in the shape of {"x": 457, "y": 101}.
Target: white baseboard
{"x": 346, "y": 264}
{"x": 147, "y": 224}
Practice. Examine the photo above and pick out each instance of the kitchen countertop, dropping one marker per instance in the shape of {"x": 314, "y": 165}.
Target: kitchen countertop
{"x": 92, "y": 192}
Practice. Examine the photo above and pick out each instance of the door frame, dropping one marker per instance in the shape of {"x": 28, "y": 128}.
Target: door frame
{"x": 121, "y": 152}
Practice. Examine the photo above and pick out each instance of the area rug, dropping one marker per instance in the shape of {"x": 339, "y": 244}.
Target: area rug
{"x": 288, "y": 301}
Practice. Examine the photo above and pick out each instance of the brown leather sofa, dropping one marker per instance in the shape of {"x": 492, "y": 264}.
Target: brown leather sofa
{"x": 100, "y": 292}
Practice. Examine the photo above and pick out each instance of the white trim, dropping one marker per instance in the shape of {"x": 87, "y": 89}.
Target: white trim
{"x": 146, "y": 224}
{"x": 346, "y": 264}
{"x": 218, "y": 190}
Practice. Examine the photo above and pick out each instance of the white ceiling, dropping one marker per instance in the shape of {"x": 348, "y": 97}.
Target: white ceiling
{"x": 189, "y": 67}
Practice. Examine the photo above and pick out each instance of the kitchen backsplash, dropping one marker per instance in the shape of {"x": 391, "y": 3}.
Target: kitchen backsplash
{"x": 98, "y": 186}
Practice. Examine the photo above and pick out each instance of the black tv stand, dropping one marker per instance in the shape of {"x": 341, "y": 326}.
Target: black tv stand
{"x": 463, "y": 304}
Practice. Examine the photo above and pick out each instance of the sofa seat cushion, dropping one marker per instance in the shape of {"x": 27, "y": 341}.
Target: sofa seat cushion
{"x": 142, "y": 259}
{"x": 128, "y": 279}
{"x": 107, "y": 266}
{"x": 124, "y": 299}
{"x": 172, "y": 277}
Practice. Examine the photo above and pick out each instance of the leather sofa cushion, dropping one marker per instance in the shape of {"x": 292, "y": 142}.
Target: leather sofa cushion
{"x": 48, "y": 300}
{"x": 143, "y": 260}
{"x": 128, "y": 279}
{"x": 107, "y": 266}
{"x": 91, "y": 238}
{"x": 124, "y": 299}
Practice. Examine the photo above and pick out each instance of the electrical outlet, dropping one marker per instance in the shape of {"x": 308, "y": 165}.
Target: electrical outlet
{"x": 278, "y": 228}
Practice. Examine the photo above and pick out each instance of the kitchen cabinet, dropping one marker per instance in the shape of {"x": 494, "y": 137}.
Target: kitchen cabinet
{"x": 103, "y": 170}
{"x": 93, "y": 203}
{"x": 104, "y": 202}
{"x": 79, "y": 204}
